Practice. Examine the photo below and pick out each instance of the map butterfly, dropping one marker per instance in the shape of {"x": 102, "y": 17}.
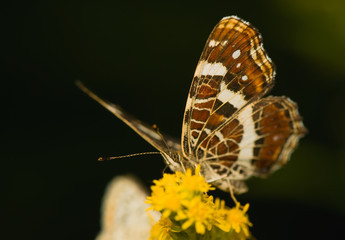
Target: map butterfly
{"x": 228, "y": 127}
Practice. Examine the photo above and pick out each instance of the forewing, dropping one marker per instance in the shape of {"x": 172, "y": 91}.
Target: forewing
{"x": 258, "y": 140}
{"x": 146, "y": 131}
{"x": 233, "y": 70}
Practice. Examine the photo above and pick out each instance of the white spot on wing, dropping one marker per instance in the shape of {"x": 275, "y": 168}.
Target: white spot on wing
{"x": 236, "y": 54}
{"x": 252, "y": 50}
{"x": 206, "y": 68}
{"x": 200, "y": 100}
{"x": 219, "y": 135}
{"x": 213, "y": 43}
{"x": 245, "y": 77}
{"x": 235, "y": 99}
{"x": 238, "y": 65}
{"x": 249, "y": 135}
{"x": 196, "y": 121}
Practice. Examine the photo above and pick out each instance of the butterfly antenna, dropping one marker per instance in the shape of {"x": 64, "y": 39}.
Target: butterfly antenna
{"x": 101, "y": 159}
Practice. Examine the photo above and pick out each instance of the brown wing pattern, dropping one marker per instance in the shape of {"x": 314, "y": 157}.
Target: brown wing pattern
{"x": 278, "y": 126}
{"x": 227, "y": 126}
{"x": 233, "y": 70}
{"x": 258, "y": 141}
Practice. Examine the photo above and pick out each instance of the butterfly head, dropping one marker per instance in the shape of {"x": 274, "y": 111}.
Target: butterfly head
{"x": 176, "y": 162}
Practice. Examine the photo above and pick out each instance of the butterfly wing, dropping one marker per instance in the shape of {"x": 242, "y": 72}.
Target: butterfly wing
{"x": 146, "y": 131}
{"x": 233, "y": 70}
{"x": 227, "y": 126}
{"x": 257, "y": 141}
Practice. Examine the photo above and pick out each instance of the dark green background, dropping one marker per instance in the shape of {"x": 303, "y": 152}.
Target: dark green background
{"x": 142, "y": 55}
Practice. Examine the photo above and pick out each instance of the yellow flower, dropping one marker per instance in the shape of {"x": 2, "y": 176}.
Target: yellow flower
{"x": 199, "y": 213}
{"x": 165, "y": 200}
{"x": 162, "y": 230}
{"x": 170, "y": 192}
{"x": 188, "y": 211}
{"x": 167, "y": 181}
{"x": 193, "y": 182}
{"x": 236, "y": 219}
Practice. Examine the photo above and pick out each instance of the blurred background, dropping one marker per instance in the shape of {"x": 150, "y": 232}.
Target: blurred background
{"x": 142, "y": 55}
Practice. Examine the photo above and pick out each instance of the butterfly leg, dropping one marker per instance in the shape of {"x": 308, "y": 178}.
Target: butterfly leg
{"x": 231, "y": 191}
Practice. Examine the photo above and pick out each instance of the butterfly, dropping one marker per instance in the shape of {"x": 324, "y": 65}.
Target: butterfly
{"x": 229, "y": 128}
